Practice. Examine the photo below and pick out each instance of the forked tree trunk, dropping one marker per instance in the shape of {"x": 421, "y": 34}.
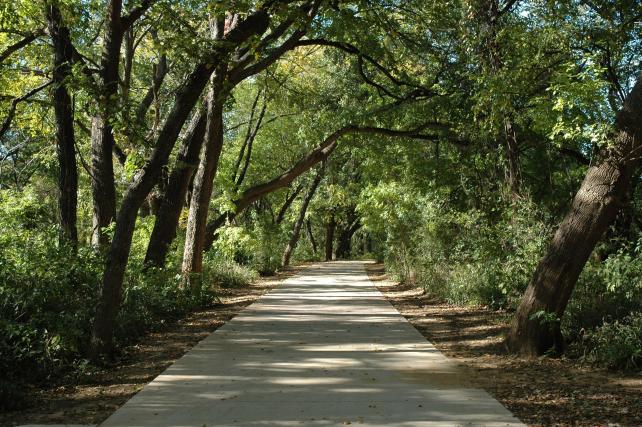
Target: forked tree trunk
{"x": 329, "y": 238}
{"x": 308, "y": 225}
{"x": 296, "y": 231}
{"x": 65, "y": 139}
{"x": 204, "y": 178}
{"x": 169, "y": 212}
{"x": 535, "y": 328}
{"x": 344, "y": 245}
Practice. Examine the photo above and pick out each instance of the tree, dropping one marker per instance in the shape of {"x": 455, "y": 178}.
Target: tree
{"x": 117, "y": 256}
{"x": 536, "y": 325}
{"x": 244, "y": 65}
{"x": 65, "y": 140}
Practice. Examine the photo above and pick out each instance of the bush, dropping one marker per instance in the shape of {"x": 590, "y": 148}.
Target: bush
{"x": 465, "y": 256}
{"x": 227, "y": 273}
{"x": 259, "y": 248}
{"x": 48, "y": 294}
{"x": 618, "y": 344}
{"x": 608, "y": 290}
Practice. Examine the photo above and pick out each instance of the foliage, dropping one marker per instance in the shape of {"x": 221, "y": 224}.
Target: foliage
{"x": 227, "y": 273}
{"x": 48, "y": 294}
{"x": 617, "y": 344}
{"x": 464, "y": 257}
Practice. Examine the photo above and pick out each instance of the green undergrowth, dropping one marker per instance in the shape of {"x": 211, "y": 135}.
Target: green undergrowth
{"x": 487, "y": 257}
{"x": 48, "y": 296}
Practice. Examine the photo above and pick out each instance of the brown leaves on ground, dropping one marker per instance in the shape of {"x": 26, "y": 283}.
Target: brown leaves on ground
{"x": 91, "y": 397}
{"x": 541, "y": 392}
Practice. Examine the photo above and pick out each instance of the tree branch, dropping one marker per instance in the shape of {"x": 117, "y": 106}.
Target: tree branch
{"x": 14, "y": 105}
{"x": 28, "y": 38}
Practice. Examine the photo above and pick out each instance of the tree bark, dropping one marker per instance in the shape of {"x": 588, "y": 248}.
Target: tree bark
{"x": 204, "y": 178}
{"x": 65, "y": 138}
{"x": 172, "y": 203}
{"x": 289, "y": 198}
{"x": 102, "y": 138}
{"x": 329, "y": 238}
{"x": 593, "y": 209}
{"x": 296, "y": 231}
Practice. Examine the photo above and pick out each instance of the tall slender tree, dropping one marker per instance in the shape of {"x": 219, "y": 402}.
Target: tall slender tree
{"x": 65, "y": 138}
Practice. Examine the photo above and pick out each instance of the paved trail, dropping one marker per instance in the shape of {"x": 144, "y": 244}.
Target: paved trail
{"x": 323, "y": 349}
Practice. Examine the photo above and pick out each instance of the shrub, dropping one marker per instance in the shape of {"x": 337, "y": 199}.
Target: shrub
{"x": 618, "y": 344}
{"x": 227, "y": 273}
{"x": 464, "y": 256}
{"x": 607, "y": 290}
{"x": 48, "y": 294}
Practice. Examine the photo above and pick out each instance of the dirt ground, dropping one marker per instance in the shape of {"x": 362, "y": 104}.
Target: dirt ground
{"x": 91, "y": 397}
{"x": 541, "y": 392}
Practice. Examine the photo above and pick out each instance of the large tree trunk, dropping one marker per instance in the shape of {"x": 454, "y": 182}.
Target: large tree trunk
{"x": 103, "y": 187}
{"x": 535, "y": 328}
{"x": 204, "y": 178}
{"x": 65, "y": 139}
{"x": 172, "y": 203}
{"x": 296, "y": 231}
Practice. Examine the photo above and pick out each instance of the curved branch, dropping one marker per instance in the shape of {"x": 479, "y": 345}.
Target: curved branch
{"x": 317, "y": 155}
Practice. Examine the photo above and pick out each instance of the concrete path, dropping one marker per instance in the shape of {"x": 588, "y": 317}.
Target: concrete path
{"x": 323, "y": 349}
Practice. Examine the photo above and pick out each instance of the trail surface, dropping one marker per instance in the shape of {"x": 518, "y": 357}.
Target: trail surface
{"x": 323, "y": 349}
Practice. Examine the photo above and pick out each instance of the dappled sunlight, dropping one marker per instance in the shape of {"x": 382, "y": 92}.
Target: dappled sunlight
{"x": 323, "y": 349}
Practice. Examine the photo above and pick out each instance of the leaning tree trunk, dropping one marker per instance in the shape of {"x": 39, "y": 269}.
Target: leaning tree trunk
{"x": 294, "y": 238}
{"x": 169, "y": 212}
{"x": 118, "y": 252}
{"x": 329, "y": 237}
{"x": 204, "y": 178}
{"x": 535, "y": 328}
{"x": 65, "y": 139}
{"x": 117, "y": 256}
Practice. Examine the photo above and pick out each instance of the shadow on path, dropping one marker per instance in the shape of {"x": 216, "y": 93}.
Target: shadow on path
{"x": 323, "y": 349}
